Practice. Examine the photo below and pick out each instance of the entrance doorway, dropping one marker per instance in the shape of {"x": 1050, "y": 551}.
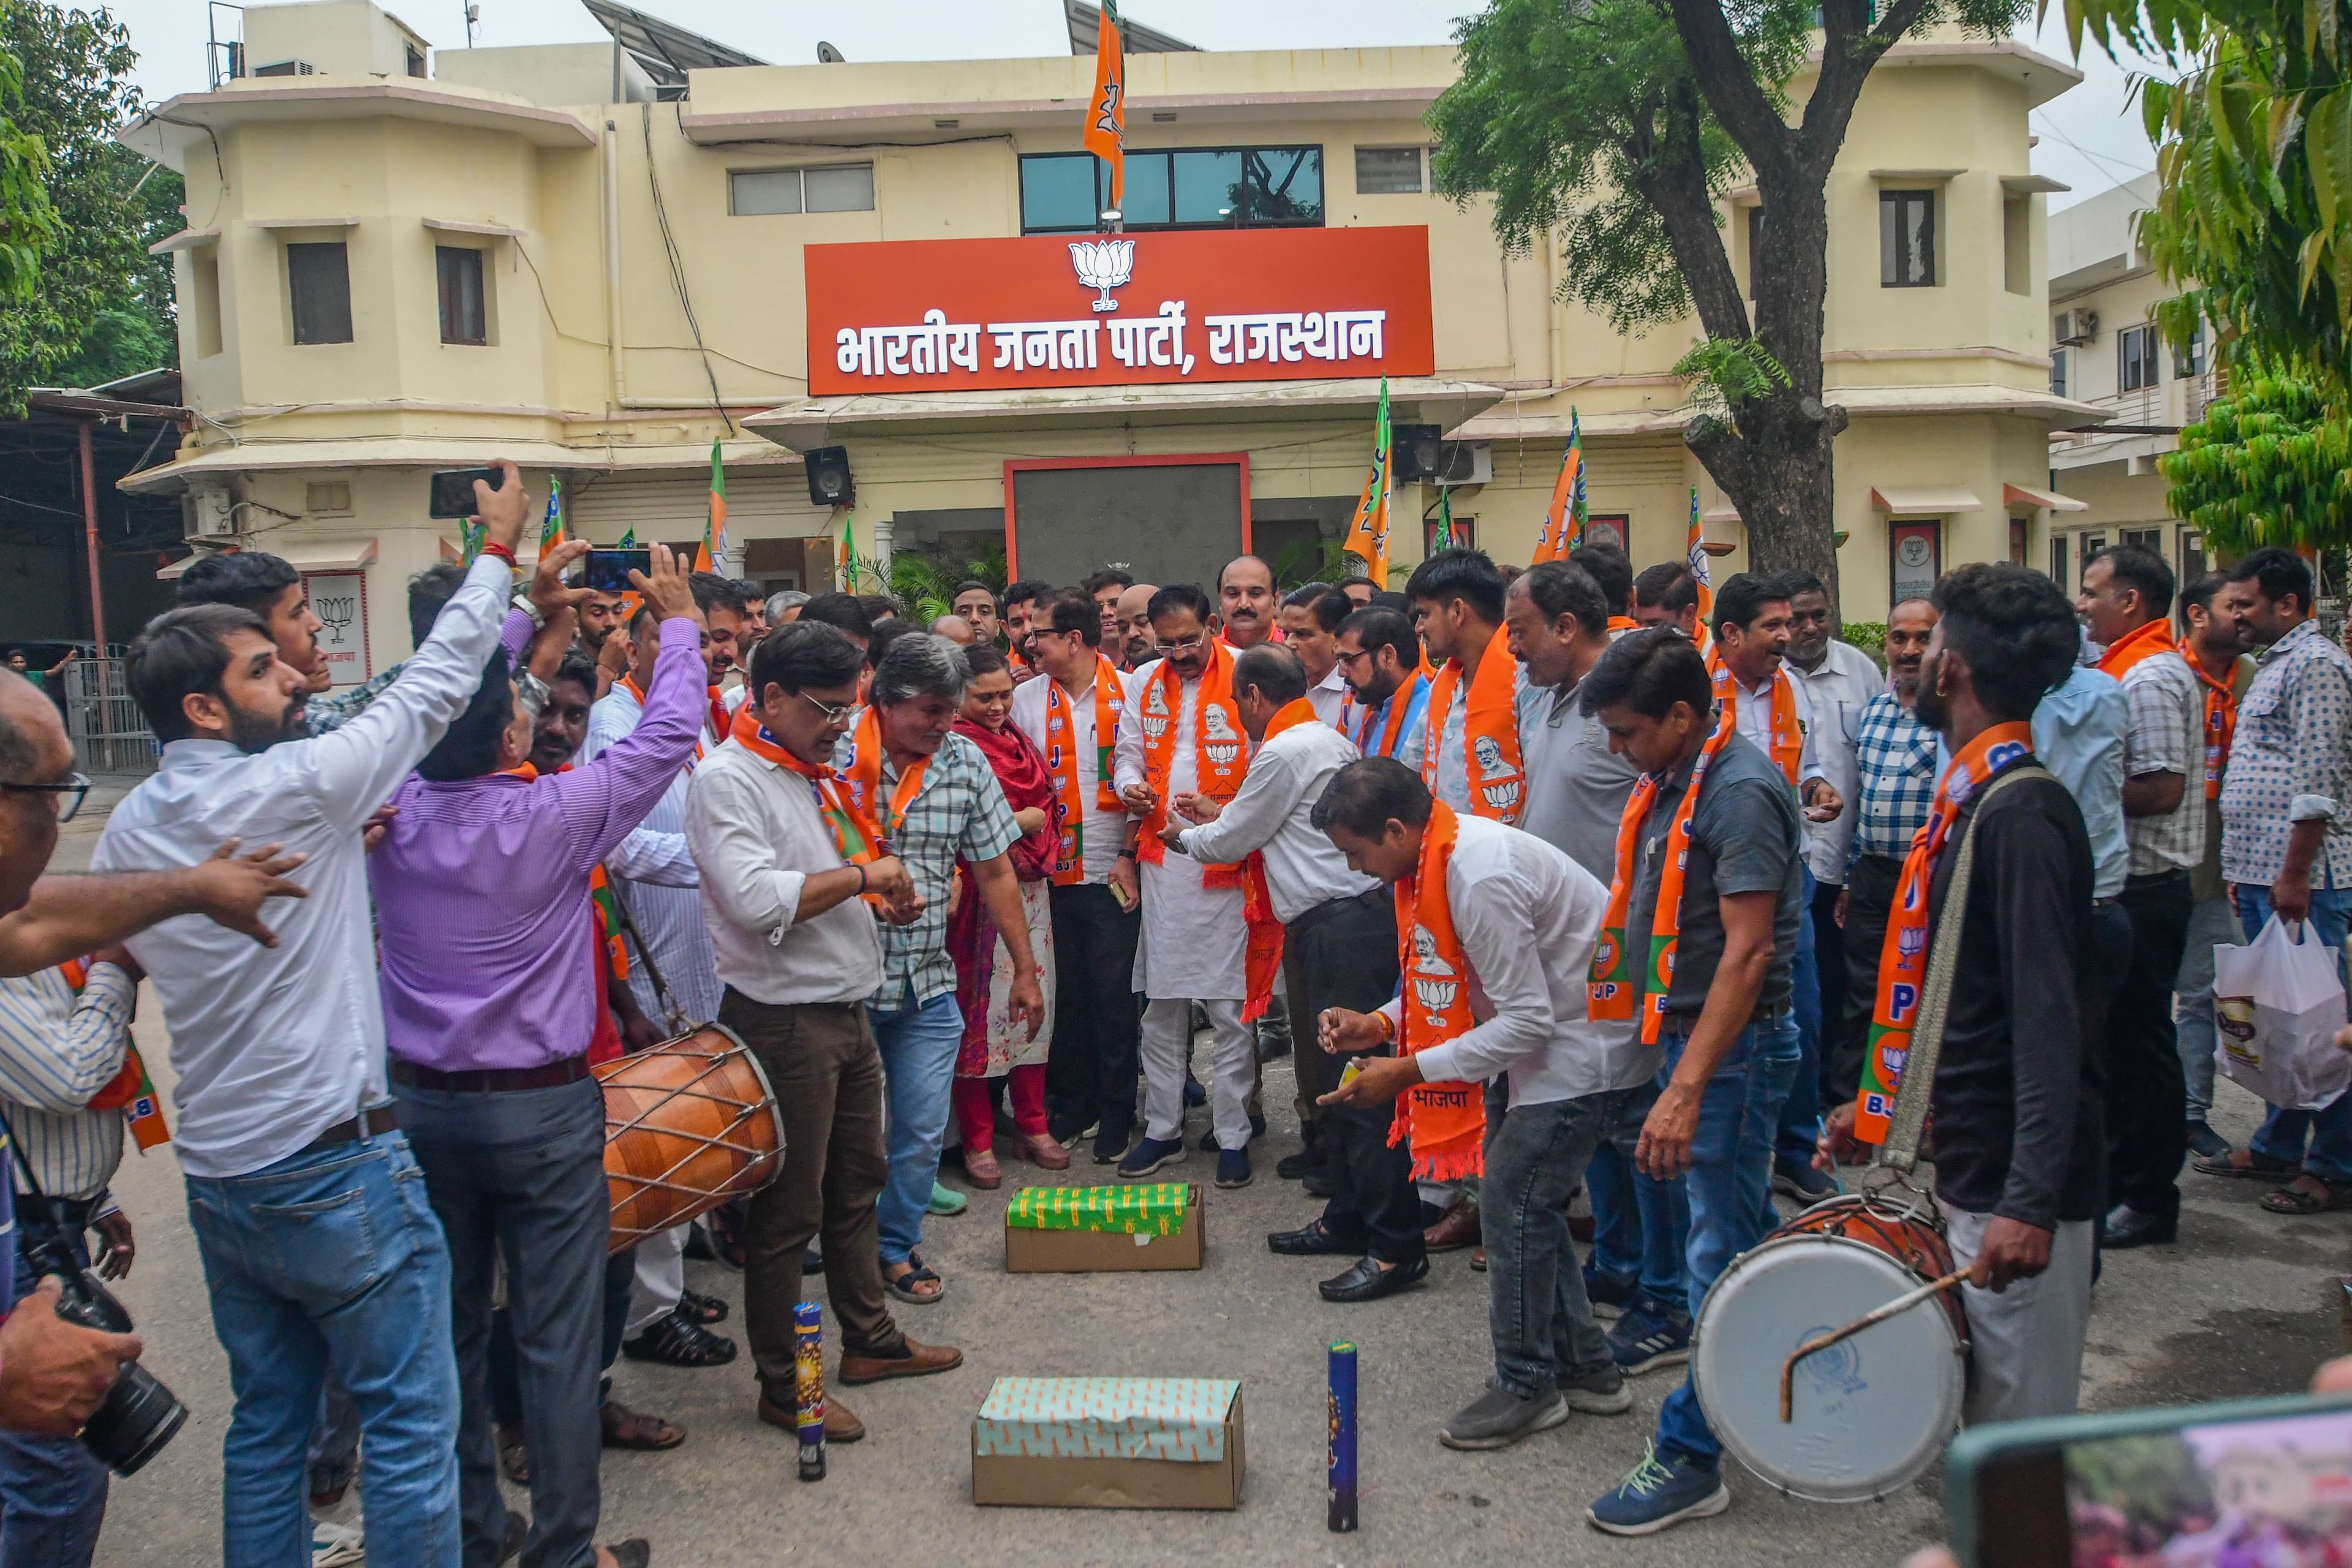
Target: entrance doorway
{"x": 1165, "y": 519}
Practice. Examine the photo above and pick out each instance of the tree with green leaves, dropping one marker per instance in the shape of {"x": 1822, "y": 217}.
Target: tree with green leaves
{"x": 1618, "y": 125}
{"x": 27, "y": 226}
{"x": 2269, "y": 464}
{"x": 104, "y": 306}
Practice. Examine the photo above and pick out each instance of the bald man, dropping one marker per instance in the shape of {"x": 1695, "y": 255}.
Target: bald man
{"x": 1245, "y": 601}
{"x": 1135, "y": 627}
{"x": 956, "y": 629}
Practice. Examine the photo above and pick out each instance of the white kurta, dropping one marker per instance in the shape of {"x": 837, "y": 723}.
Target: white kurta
{"x": 1195, "y": 938}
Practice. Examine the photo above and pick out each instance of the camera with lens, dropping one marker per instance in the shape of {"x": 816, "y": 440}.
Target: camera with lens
{"x": 139, "y": 1415}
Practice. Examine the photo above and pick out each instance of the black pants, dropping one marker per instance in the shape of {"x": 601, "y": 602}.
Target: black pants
{"x": 1091, "y": 1067}
{"x": 2148, "y": 1093}
{"x": 1345, "y": 955}
{"x": 505, "y": 1379}
{"x": 1829, "y": 969}
{"x": 1869, "y": 896}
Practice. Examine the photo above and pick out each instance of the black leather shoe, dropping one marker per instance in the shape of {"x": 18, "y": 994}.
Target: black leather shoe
{"x": 1313, "y": 1241}
{"x": 1317, "y": 1183}
{"x": 676, "y": 1341}
{"x": 2126, "y": 1227}
{"x": 1368, "y": 1281}
{"x": 1291, "y": 1167}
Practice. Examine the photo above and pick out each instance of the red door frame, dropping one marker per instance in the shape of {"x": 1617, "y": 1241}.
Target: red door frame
{"x": 1013, "y": 466}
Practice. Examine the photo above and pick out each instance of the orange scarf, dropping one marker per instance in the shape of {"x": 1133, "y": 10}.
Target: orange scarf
{"x": 1261, "y": 960}
{"x": 1609, "y": 987}
{"x": 717, "y": 724}
{"x": 1446, "y": 1121}
{"x": 1222, "y": 750}
{"x": 2220, "y": 724}
{"x": 855, "y": 833}
{"x": 1903, "y": 960}
{"x": 1622, "y": 623}
{"x": 1490, "y": 731}
{"x": 2141, "y": 642}
{"x": 1399, "y": 709}
{"x": 1062, "y": 761}
{"x": 863, "y": 777}
{"x": 130, "y": 1090}
{"x": 1788, "y": 735}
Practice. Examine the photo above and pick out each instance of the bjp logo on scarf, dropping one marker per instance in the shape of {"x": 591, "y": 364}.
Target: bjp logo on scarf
{"x": 1605, "y": 953}
{"x": 1223, "y": 744}
{"x": 1502, "y": 796}
{"x": 1155, "y": 712}
{"x": 1436, "y": 991}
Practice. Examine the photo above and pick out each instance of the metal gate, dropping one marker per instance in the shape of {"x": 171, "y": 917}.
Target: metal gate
{"x": 110, "y": 735}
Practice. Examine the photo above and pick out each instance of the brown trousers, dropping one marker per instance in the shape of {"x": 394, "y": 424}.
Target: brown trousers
{"x": 826, "y": 1076}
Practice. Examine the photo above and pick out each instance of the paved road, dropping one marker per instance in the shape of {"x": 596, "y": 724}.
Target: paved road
{"x": 2241, "y": 1306}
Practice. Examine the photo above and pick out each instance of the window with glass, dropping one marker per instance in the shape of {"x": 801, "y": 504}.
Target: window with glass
{"x": 1906, "y": 239}
{"x": 2058, "y": 372}
{"x": 2137, "y": 346}
{"x": 465, "y": 316}
{"x": 2190, "y": 360}
{"x": 821, "y": 188}
{"x": 1388, "y": 171}
{"x": 1205, "y": 187}
{"x": 319, "y": 290}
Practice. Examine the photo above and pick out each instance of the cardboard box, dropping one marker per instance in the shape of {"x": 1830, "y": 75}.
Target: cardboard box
{"x": 1109, "y": 1442}
{"x": 1030, "y": 1251}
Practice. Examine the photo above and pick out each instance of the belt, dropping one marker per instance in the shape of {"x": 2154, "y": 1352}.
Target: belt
{"x": 491, "y": 1081}
{"x": 1315, "y": 914}
{"x": 351, "y": 1129}
{"x": 57, "y": 1213}
{"x": 2145, "y": 880}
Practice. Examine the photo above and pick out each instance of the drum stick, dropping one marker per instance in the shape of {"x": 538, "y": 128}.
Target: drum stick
{"x": 808, "y": 1376}
{"x": 1339, "y": 1512}
{"x": 1901, "y": 1304}
{"x": 676, "y": 1015}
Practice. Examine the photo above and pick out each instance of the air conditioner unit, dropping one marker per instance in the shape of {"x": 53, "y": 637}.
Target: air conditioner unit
{"x": 207, "y": 513}
{"x": 1465, "y": 463}
{"x": 2070, "y": 327}
{"x": 286, "y": 67}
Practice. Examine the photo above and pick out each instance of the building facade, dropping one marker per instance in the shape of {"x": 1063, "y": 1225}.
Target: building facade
{"x": 2107, "y": 351}
{"x": 886, "y": 278}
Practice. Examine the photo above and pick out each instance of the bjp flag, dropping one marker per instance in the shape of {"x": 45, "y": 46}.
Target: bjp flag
{"x": 1106, "y": 134}
{"x": 1368, "y": 535}
{"x": 713, "y": 548}
{"x": 1563, "y": 527}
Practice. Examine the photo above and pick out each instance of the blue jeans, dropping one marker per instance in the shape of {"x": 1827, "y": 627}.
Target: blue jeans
{"x": 52, "y": 1489}
{"x": 918, "y": 1055}
{"x": 332, "y": 1251}
{"x": 1801, "y": 1113}
{"x": 2328, "y": 1154}
{"x": 1731, "y": 1187}
{"x": 1641, "y": 1225}
{"x": 1539, "y": 1316}
{"x": 2211, "y": 924}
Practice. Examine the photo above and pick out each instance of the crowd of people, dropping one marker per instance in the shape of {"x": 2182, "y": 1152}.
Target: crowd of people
{"x": 1570, "y": 878}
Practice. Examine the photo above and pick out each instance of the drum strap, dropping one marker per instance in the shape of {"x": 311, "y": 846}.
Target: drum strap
{"x": 1901, "y": 1150}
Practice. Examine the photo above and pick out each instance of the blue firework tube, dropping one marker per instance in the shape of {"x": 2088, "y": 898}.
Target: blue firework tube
{"x": 808, "y": 1369}
{"x": 1340, "y": 1512}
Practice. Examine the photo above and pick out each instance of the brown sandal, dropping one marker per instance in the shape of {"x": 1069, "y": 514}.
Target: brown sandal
{"x": 2247, "y": 1165}
{"x": 2294, "y": 1200}
{"x": 980, "y": 1169}
{"x": 627, "y": 1428}
{"x": 514, "y": 1459}
{"x": 1044, "y": 1153}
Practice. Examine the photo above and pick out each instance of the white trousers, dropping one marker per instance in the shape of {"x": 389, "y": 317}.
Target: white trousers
{"x": 2025, "y": 1343}
{"x": 1232, "y": 1070}
{"x": 661, "y": 1277}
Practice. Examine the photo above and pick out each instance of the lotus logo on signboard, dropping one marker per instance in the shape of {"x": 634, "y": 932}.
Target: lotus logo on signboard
{"x": 1104, "y": 264}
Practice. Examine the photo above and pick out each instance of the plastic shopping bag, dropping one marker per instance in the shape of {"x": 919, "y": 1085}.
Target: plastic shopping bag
{"x": 2277, "y": 1003}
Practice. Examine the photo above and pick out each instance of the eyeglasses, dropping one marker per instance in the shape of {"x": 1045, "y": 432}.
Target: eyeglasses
{"x": 832, "y": 715}
{"x": 1349, "y": 658}
{"x": 1185, "y": 644}
{"x": 70, "y": 794}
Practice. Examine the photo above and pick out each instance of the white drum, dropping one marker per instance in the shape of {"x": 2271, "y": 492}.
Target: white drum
{"x": 1870, "y": 1413}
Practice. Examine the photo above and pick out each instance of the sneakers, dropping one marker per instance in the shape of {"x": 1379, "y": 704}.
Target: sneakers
{"x": 1795, "y": 1178}
{"x": 1499, "y": 1418}
{"x": 1597, "y": 1390}
{"x": 336, "y": 1545}
{"x": 1649, "y": 1335}
{"x": 1233, "y": 1168}
{"x": 1149, "y": 1154}
{"x": 1111, "y": 1143}
{"x": 1609, "y": 1294}
{"x": 2204, "y": 1141}
{"x": 1657, "y": 1493}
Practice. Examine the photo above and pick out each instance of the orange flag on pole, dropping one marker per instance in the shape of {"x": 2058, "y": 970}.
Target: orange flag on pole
{"x": 1563, "y": 528}
{"x": 1105, "y": 135}
{"x": 712, "y": 550}
{"x": 1368, "y": 535}
{"x": 1695, "y": 547}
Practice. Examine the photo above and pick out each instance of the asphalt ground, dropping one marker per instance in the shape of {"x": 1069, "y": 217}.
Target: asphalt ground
{"x": 2244, "y": 1305}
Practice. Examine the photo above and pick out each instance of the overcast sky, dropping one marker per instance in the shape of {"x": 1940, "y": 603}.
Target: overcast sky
{"x": 2091, "y": 137}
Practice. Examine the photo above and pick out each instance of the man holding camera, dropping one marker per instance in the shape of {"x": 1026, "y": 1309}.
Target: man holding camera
{"x": 309, "y": 1209}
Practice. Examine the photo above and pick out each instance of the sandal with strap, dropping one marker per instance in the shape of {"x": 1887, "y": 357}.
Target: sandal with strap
{"x": 2255, "y": 1167}
{"x": 677, "y": 1341}
{"x": 627, "y": 1428}
{"x": 514, "y": 1459}
{"x": 903, "y": 1287}
{"x": 2293, "y": 1200}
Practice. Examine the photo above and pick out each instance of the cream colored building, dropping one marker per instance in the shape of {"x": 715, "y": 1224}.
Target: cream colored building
{"x": 385, "y": 274}
{"x": 2109, "y": 353}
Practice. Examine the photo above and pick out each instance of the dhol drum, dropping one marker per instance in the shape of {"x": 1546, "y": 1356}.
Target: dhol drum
{"x": 687, "y": 1125}
{"x": 1870, "y": 1413}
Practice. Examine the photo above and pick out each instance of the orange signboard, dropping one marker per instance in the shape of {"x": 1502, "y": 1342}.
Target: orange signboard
{"x": 957, "y": 315}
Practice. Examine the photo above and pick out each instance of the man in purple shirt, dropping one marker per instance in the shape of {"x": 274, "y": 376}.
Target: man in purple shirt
{"x": 481, "y": 894}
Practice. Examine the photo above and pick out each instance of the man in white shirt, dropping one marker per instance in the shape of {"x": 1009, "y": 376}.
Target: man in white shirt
{"x": 308, "y": 1206}
{"x": 1309, "y": 619}
{"x": 1194, "y": 935}
{"x": 784, "y": 863}
{"x": 1339, "y": 945}
{"x": 653, "y": 877}
{"x": 1527, "y": 917}
{"x": 1091, "y": 1069}
{"x": 1775, "y": 712}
